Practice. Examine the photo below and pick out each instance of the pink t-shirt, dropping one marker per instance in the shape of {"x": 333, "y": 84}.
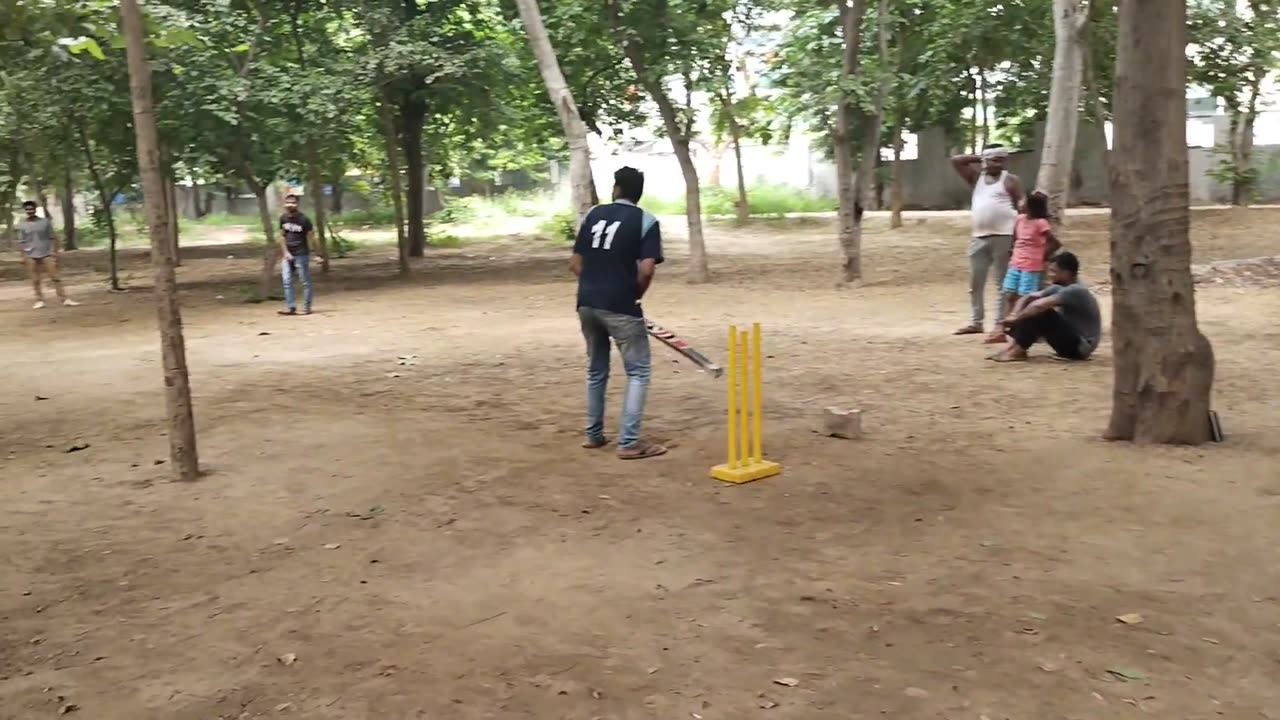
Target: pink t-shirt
{"x": 1030, "y": 237}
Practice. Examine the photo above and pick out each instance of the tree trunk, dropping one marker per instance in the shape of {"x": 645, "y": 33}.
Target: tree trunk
{"x": 1163, "y": 364}
{"x": 895, "y": 180}
{"x": 269, "y": 252}
{"x": 850, "y": 232}
{"x": 575, "y": 131}
{"x": 982, "y": 107}
{"x": 871, "y": 126}
{"x": 735, "y": 136}
{"x": 1242, "y": 146}
{"x": 177, "y": 396}
{"x": 413, "y": 114}
{"x": 1063, "y": 122}
{"x": 171, "y": 201}
{"x": 397, "y": 191}
{"x": 699, "y": 272}
{"x": 315, "y": 187}
{"x": 335, "y": 200}
{"x": 196, "y": 192}
{"x": 105, "y": 198}
{"x": 68, "y": 201}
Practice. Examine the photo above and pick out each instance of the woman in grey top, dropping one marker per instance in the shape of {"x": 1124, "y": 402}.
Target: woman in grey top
{"x": 40, "y": 253}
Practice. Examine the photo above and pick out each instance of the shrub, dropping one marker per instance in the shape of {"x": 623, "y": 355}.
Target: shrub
{"x": 561, "y": 227}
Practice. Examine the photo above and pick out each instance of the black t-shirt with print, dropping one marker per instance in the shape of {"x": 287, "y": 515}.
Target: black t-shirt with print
{"x": 612, "y": 239}
{"x": 296, "y": 228}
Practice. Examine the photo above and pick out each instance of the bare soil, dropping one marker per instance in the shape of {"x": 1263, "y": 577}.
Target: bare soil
{"x": 377, "y": 540}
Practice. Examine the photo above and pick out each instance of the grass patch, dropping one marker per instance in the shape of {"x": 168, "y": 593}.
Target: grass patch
{"x": 224, "y": 220}
{"x": 765, "y": 200}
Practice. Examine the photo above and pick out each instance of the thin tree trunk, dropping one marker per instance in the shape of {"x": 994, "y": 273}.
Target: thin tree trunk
{"x": 1241, "y": 182}
{"x": 735, "y": 138}
{"x": 335, "y": 200}
{"x": 982, "y": 107}
{"x": 895, "y": 180}
{"x": 575, "y": 131}
{"x": 397, "y": 191}
{"x": 315, "y": 187}
{"x": 1070, "y": 22}
{"x": 871, "y": 127}
{"x": 850, "y": 231}
{"x": 270, "y": 252}
{"x": 68, "y": 202}
{"x": 699, "y": 271}
{"x": 105, "y": 199}
{"x": 1163, "y": 364}
{"x": 171, "y": 200}
{"x": 181, "y": 424}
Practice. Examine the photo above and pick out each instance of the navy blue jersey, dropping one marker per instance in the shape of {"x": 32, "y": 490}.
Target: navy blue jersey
{"x": 611, "y": 241}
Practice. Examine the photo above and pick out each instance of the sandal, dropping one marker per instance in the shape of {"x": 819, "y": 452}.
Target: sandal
{"x": 995, "y": 338}
{"x": 641, "y": 450}
{"x": 595, "y": 443}
{"x": 971, "y": 329}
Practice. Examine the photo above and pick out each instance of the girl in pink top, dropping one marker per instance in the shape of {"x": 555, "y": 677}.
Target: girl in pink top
{"x": 1033, "y": 245}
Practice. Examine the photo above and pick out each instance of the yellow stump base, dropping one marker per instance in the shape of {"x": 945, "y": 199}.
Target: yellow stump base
{"x": 757, "y": 470}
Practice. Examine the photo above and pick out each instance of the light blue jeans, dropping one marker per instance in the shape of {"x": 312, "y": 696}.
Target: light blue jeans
{"x": 599, "y": 327}
{"x": 301, "y": 263}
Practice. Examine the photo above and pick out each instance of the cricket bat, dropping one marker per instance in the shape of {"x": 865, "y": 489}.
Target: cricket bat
{"x": 675, "y": 342}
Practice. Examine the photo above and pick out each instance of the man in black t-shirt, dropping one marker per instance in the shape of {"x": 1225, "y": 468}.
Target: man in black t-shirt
{"x": 297, "y": 234}
{"x": 617, "y": 250}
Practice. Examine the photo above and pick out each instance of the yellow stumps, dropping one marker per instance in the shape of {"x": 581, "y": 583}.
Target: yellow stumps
{"x": 745, "y": 400}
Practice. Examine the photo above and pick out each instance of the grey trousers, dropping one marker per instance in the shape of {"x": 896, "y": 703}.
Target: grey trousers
{"x": 988, "y": 253}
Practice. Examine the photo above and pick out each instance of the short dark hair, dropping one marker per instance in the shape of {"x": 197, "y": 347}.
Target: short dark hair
{"x": 291, "y": 196}
{"x": 630, "y": 183}
{"x": 1038, "y": 205}
{"x": 28, "y": 203}
{"x": 1067, "y": 261}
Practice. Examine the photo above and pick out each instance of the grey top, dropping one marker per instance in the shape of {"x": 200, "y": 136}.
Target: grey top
{"x": 1079, "y": 308}
{"x": 36, "y": 237}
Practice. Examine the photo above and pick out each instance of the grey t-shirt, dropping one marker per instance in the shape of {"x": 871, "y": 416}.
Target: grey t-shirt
{"x": 36, "y": 237}
{"x": 1079, "y": 308}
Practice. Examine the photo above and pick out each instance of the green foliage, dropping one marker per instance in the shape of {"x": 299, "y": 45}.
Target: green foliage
{"x": 765, "y": 200}
{"x": 561, "y": 227}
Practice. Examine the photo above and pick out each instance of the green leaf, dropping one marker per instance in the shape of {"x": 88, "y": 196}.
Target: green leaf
{"x": 89, "y": 45}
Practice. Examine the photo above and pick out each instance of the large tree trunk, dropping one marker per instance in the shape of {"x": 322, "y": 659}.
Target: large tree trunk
{"x": 67, "y": 199}
{"x": 315, "y": 187}
{"x": 1063, "y": 122}
{"x": 413, "y": 112}
{"x": 699, "y": 272}
{"x": 575, "y": 131}
{"x": 397, "y": 191}
{"x": 181, "y": 425}
{"x": 269, "y": 251}
{"x": 850, "y": 231}
{"x": 1163, "y": 364}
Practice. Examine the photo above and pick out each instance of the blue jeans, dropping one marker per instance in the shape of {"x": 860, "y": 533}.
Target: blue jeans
{"x": 301, "y": 263}
{"x": 599, "y": 327}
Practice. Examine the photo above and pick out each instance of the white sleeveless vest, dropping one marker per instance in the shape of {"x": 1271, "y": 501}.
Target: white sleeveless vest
{"x": 992, "y": 208}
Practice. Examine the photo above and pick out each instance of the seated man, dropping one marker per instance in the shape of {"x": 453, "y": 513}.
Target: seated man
{"x": 1065, "y": 315}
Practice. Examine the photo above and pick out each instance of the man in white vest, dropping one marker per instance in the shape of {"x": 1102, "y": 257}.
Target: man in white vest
{"x": 997, "y": 194}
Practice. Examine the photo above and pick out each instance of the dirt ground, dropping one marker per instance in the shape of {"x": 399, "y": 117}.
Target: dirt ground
{"x": 435, "y": 545}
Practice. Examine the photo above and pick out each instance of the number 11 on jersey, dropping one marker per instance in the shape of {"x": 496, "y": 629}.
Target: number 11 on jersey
{"x": 605, "y": 231}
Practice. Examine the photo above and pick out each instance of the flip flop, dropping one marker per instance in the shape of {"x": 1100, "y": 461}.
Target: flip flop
{"x": 994, "y": 339}
{"x": 595, "y": 443}
{"x": 1002, "y": 358}
{"x": 642, "y": 450}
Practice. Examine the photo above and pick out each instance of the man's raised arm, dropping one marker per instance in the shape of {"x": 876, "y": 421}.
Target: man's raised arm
{"x": 967, "y": 167}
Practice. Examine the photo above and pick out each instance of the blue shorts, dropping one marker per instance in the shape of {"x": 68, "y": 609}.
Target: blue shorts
{"x": 1022, "y": 282}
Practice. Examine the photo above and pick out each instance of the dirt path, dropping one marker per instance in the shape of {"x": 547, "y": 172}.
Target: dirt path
{"x": 434, "y": 545}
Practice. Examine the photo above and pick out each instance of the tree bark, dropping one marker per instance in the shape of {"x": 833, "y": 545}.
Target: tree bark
{"x": 1163, "y": 364}
{"x": 68, "y": 202}
{"x": 1242, "y": 145}
{"x": 269, "y": 253}
{"x": 981, "y": 94}
{"x": 397, "y": 191}
{"x": 104, "y": 197}
{"x": 315, "y": 187}
{"x": 743, "y": 205}
{"x": 413, "y": 112}
{"x": 850, "y": 226}
{"x": 1070, "y": 22}
{"x": 581, "y": 183}
{"x": 874, "y": 121}
{"x": 335, "y": 200}
{"x": 699, "y": 271}
{"x": 181, "y": 420}
{"x": 171, "y": 201}
{"x": 895, "y": 180}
